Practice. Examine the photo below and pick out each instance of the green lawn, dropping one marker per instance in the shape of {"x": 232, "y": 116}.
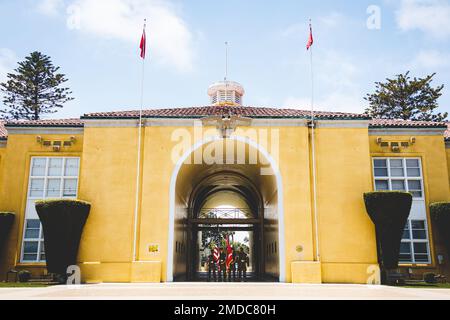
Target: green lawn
{"x": 423, "y": 285}
{"x": 22, "y": 285}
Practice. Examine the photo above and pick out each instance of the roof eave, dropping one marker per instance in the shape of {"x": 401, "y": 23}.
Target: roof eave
{"x": 405, "y": 127}
{"x": 42, "y": 126}
{"x": 205, "y": 116}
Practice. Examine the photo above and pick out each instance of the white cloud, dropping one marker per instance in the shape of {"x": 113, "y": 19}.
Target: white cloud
{"x": 337, "y": 86}
{"x": 430, "y": 59}
{"x": 170, "y": 41}
{"x": 337, "y": 101}
{"x": 294, "y": 30}
{"x": 50, "y": 7}
{"x": 7, "y": 61}
{"x": 429, "y": 16}
{"x": 332, "y": 20}
{"x": 328, "y": 21}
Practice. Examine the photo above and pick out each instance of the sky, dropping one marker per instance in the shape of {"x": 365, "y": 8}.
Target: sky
{"x": 357, "y": 43}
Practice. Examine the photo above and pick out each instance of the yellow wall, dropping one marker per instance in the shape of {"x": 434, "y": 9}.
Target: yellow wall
{"x": 107, "y": 180}
{"x": 14, "y": 166}
{"x": 295, "y": 171}
{"x": 431, "y": 149}
{"x": 110, "y": 187}
{"x": 448, "y": 160}
{"x": 342, "y": 214}
{"x": 347, "y": 236}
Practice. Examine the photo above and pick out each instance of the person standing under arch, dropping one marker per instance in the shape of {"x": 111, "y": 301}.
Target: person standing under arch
{"x": 223, "y": 265}
{"x": 243, "y": 263}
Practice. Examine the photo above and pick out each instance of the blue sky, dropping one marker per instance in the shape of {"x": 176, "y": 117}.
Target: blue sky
{"x": 96, "y": 44}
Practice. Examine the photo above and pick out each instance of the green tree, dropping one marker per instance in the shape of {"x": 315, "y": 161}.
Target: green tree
{"x": 34, "y": 89}
{"x": 406, "y": 98}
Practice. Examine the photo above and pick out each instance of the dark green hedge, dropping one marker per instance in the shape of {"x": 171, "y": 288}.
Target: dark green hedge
{"x": 63, "y": 222}
{"x": 6, "y": 222}
{"x": 389, "y": 212}
{"x": 440, "y": 214}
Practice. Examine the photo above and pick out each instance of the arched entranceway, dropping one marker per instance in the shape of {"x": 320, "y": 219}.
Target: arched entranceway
{"x": 240, "y": 198}
{"x": 225, "y": 206}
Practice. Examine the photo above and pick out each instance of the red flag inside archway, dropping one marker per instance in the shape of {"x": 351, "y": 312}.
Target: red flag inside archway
{"x": 229, "y": 253}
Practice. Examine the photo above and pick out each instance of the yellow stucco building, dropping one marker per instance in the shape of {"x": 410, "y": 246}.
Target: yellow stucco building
{"x": 298, "y": 197}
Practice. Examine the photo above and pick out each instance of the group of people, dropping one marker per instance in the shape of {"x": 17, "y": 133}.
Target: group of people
{"x": 227, "y": 270}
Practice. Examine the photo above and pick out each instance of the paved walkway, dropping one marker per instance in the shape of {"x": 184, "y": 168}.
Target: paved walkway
{"x": 239, "y": 291}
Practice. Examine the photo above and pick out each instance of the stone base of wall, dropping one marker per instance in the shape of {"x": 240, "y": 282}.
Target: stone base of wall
{"x": 306, "y": 272}
{"x": 351, "y": 273}
{"x": 136, "y": 272}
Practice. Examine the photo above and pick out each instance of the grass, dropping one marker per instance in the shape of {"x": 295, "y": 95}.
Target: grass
{"x": 22, "y": 285}
{"x": 423, "y": 285}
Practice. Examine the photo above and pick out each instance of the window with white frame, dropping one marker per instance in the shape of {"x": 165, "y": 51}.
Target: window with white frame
{"x": 50, "y": 178}
{"x": 405, "y": 174}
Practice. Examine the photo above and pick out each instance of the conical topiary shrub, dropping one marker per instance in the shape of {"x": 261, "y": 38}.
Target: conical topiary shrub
{"x": 389, "y": 212}
{"x": 440, "y": 214}
{"x": 63, "y": 222}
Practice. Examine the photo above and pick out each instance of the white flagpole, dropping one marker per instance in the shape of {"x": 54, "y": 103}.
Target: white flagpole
{"x": 226, "y": 72}
{"x": 313, "y": 151}
{"x": 138, "y": 168}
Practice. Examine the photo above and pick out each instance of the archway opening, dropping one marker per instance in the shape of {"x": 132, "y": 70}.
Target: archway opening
{"x": 236, "y": 201}
{"x": 225, "y": 221}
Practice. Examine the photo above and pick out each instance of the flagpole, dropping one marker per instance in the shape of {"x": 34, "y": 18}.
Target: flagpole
{"x": 226, "y": 71}
{"x": 139, "y": 151}
{"x": 313, "y": 152}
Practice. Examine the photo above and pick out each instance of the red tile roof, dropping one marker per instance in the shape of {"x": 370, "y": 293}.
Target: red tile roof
{"x": 55, "y": 123}
{"x": 46, "y": 123}
{"x": 386, "y": 123}
{"x": 3, "y": 132}
{"x": 207, "y": 111}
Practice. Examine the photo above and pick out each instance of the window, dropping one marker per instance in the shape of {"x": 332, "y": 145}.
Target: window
{"x": 405, "y": 174}
{"x": 414, "y": 247}
{"x": 50, "y": 178}
{"x": 398, "y": 174}
{"x": 33, "y": 241}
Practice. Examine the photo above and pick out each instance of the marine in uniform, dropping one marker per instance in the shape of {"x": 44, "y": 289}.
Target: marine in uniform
{"x": 212, "y": 267}
{"x": 243, "y": 261}
{"x": 232, "y": 268}
{"x": 223, "y": 265}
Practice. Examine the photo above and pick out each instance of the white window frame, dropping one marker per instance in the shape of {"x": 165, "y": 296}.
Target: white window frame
{"x": 405, "y": 178}
{"x": 39, "y": 240}
{"x": 29, "y": 199}
{"x": 411, "y": 241}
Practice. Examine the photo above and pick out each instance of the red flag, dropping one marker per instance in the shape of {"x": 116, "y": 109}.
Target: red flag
{"x": 143, "y": 45}
{"x": 216, "y": 254}
{"x": 229, "y": 253}
{"x": 311, "y": 38}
